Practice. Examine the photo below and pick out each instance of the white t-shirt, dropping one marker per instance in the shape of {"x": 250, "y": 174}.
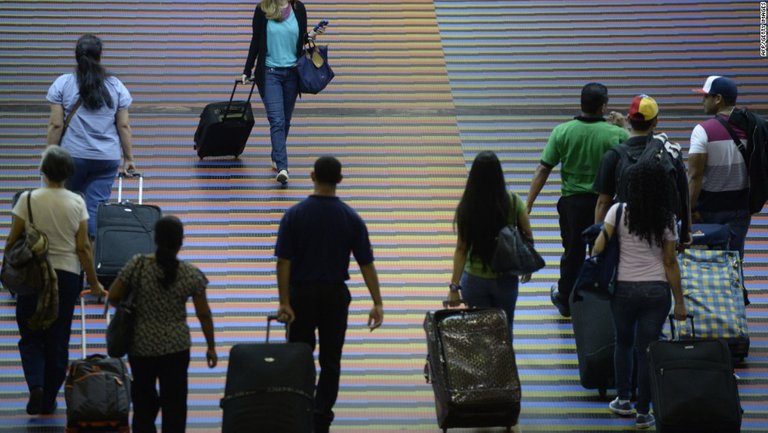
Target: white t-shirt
{"x": 57, "y": 212}
{"x": 637, "y": 260}
{"x": 91, "y": 134}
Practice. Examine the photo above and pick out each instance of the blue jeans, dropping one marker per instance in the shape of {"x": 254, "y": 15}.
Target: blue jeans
{"x": 736, "y": 220}
{"x": 45, "y": 353}
{"x": 93, "y": 178}
{"x": 639, "y": 311}
{"x": 281, "y": 87}
{"x": 498, "y": 292}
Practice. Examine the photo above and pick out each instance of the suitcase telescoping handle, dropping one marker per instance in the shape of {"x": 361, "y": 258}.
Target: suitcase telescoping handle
{"x": 133, "y": 174}
{"x": 672, "y": 325}
{"x": 272, "y": 317}
{"x": 83, "y": 341}
{"x": 232, "y": 96}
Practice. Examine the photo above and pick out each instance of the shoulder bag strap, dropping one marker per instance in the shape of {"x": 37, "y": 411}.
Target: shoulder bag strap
{"x": 29, "y": 207}
{"x": 69, "y": 117}
{"x": 734, "y": 137}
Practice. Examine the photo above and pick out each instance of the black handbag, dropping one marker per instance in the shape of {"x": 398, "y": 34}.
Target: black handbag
{"x": 515, "y": 254}
{"x": 120, "y": 329}
{"x": 314, "y": 71}
{"x": 598, "y": 273}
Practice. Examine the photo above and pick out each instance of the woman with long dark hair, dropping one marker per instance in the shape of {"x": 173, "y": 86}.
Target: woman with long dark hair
{"x": 485, "y": 208}
{"x": 648, "y": 271}
{"x": 279, "y": 35}
{"x": 98, "y": 135}
{"x": 160, "y": 349}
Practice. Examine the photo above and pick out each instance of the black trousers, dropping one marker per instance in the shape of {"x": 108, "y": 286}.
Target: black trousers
{"x": 577, "y": 212}
{"x": 323, "y": 307}
{"x": 171, "y": 372}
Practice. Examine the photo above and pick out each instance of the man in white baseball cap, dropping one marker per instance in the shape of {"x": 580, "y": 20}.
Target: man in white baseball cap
{"x": 717, "y": 167}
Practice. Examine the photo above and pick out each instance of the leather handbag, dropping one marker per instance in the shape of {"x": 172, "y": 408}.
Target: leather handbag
{"x": 314, "y": 71}
{"x": 120, "y": 328}
{"x": 25, "y": 270}
{"x": 598, "y": 273}
{"x": 514, "y": 254}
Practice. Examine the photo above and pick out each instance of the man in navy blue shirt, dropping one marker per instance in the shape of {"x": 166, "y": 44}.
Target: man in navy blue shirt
{"x": 314, "y": 242}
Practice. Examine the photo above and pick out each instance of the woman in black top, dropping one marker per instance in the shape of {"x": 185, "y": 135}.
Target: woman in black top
{"x": 279, "y": 34}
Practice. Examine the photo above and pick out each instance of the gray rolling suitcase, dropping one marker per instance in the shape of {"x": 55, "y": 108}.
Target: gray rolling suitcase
{"x": 123, "y": 229}
{"x": 471, "y": 366}
{"x": 97, "y": 390}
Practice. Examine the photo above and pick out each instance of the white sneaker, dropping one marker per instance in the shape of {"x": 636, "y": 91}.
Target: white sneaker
{"x": 282, "y": 177}
{"x": 274, "y": 166}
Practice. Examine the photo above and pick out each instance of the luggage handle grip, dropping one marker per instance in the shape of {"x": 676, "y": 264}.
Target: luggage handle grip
{"x": 272, "y": 317}
{"x": 133, "y": 174}
{"x": 672, "y": 325}
{"x": 229, "y": 104}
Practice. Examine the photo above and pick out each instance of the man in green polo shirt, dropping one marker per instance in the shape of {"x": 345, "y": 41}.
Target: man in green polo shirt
{"x": 578, "y": 146}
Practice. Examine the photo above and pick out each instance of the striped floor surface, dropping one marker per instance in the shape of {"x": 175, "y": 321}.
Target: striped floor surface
{"x": 420, "y": 88}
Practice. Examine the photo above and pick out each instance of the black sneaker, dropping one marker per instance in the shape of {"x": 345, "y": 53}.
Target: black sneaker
{"x": 35, "y": 404}
{"x": 554, "y": 296}
{"x": 50, "y": 408}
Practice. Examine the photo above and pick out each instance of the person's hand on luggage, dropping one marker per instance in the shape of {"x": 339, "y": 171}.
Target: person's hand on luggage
{"x": 245, "y": 79}
{"x": 285, "y": 314}
{"x": 454, "y": 299}
{"x": 680, "y": 312}
{"x": 375, "y": 317}
{"x": 96, "y": 290}
{"x": 211, "y": 357}
{"x": 525, "y": 278}
{"x": 128, "y": 167}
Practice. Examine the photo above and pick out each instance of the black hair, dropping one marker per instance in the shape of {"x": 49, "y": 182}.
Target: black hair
{"x": 57, "y": 164}
{"x": 90, "y": 74}
{"x": 484, "y": 207}
{"x": 593, "y": 96}
{"x": 641, "y": 125}
{"x": 169, "y": 234}
{"x": 650, "y": 201}
{"x": 327, "y": 170}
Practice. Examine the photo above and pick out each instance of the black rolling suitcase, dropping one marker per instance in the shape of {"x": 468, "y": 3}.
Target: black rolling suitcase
{"x": 270, "y": 388}
{"x": 123, "y": 229}
{"x": 224, "y": 127}
{"x": 595, "y": 336}
{"x": 471, "y": 365}
{"x": 97, "y": 391}
{"x": 693, "y": 386}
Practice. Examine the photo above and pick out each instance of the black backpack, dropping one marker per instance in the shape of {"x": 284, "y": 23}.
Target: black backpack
{"x": 658, "y": 148}
{"x": 755, "y": 154}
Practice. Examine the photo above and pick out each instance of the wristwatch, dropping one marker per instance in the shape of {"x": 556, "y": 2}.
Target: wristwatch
{"x": 454, "y": 288}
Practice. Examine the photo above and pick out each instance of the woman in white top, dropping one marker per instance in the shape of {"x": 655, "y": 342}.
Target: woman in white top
{"x": 99, "y": 134}
{"x": 61, "y": 215}
{"x": 648, "y": 269}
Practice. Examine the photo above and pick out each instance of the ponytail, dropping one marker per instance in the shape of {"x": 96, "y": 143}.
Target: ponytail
{"x": 169, "y": 233}
{"x": 166, "y": 259}
{"x": 90, "y": 74}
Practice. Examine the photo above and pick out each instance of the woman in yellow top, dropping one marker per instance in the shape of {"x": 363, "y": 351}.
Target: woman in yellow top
{"x": 485, "y": 208}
